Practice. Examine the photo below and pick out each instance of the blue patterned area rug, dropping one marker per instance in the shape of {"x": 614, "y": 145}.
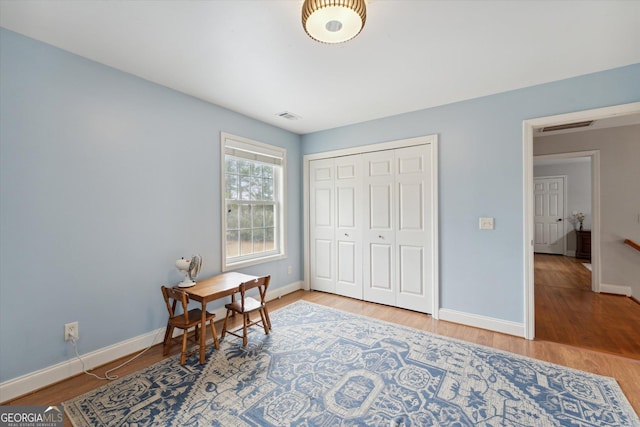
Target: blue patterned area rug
{"x": 324, "y": 367}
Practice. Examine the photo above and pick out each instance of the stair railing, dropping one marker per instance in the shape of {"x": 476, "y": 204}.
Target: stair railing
{"x": 633, "y": 244}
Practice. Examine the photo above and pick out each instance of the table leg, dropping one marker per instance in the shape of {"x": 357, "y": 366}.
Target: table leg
{"x": 203, "y": 332}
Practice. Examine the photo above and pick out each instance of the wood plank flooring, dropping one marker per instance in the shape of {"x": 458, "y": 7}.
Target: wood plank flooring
{"x": 625, "y": 370}
{"x": 568, "y": 312}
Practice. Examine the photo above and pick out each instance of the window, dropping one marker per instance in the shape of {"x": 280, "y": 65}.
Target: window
{"x": 253, "y": 210}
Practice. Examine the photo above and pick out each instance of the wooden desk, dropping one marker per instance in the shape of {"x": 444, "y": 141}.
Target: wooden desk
{"x": 213, "y": 288}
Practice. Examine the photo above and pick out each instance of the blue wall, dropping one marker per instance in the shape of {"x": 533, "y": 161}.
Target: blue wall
{"x": 480, "y": 174}
{"x": 106, "y": 179}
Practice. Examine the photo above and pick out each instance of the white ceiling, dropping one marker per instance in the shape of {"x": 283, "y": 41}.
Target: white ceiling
{"x": 253, "y": 56}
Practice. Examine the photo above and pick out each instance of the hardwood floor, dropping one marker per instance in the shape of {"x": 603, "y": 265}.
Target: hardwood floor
{"x": 568, "y": 312}
{"x": 625, "y": 370}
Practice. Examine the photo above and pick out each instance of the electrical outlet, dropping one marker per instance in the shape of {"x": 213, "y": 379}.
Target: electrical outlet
{"x": 71, "y": 331}
{"x": 290, "y": 270}
{"x": 486, "y": 223}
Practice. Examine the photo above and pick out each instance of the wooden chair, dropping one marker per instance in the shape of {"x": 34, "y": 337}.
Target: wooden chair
{"x": 248, "y": 305}
{"x": 185, "y": 320}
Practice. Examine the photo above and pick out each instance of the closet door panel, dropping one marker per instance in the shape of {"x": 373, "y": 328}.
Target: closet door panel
{"x": 346, "y": 263}
{"x": 323, "y": 256}
{"x": 413, "y": 229}
{"x": 380, "y": 209}
{"x": 379, "y": 234}
{"x": 322, "y": 225}
{"x": 346, "y": 207}
{"x": 348, "y": 236}
{"x": 322, "y": 211}
{"x": 411, "y": 280}
{"x": 381, "y": 259}
{"x": 411, "y": 201}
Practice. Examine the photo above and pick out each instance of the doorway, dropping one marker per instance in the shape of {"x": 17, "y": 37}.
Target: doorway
{"x": 528, "y": 134}
{"x": 588, "y": 205}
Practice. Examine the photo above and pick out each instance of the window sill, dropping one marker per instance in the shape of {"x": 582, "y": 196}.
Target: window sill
{"x": 250, "y": 262}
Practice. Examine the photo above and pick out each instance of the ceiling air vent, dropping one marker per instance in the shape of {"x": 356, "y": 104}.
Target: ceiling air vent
{"x": 289, "y": 116}
{"x": 567, "y": 126}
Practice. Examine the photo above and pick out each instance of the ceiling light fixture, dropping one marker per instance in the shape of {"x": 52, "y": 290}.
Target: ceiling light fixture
{"x": 333, "y": 21}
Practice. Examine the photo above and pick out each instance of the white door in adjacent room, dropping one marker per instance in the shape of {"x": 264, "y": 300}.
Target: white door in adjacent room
{"x": 549, "y": 220}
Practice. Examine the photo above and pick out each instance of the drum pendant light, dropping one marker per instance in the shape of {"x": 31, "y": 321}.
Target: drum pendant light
{"x": 333, "y": 21}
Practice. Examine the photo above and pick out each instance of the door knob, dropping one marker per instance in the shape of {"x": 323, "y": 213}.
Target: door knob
{"x": 346, "y": 234}
{"x": 559, "y": 219}
{"x": 380, "y": 236}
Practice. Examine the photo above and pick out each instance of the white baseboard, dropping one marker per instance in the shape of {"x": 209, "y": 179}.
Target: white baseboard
{"x": 284, "y": 290}
{"x": 571, "y": 253}
{"x": 483, "y": 322}
{"x": 38, "y": 379}
{"x": 615, "y": 289}
{"x": 35, "y": 380}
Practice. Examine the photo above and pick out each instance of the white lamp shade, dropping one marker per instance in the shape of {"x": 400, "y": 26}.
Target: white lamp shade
{"x": 332, "y": 21}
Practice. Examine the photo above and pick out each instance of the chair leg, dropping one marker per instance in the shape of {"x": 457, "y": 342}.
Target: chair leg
{"x": 224, "y": 325}
{"x": 183, "y": 357}
{"x": 215, "y": 335}
{"x": 244, "y": 328}
{"x": 168, "y": 336}
{"x": 266, "y": 315}
{"x": 265, "y": 325}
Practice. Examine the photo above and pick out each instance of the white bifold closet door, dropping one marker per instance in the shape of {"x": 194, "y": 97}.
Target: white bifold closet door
{"x": 398, "y": 224}
{"x": 336, "y": 225}
{"x": 348, "y": 186}
{"x": 322, "y": 250}
{"x": 370, "y": 227}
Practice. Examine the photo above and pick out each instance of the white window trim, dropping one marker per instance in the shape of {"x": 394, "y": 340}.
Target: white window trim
{"x": 269, "y": 150}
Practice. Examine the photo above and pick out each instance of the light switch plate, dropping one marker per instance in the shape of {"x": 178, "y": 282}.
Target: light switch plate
{"x": 486, "y": 223}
